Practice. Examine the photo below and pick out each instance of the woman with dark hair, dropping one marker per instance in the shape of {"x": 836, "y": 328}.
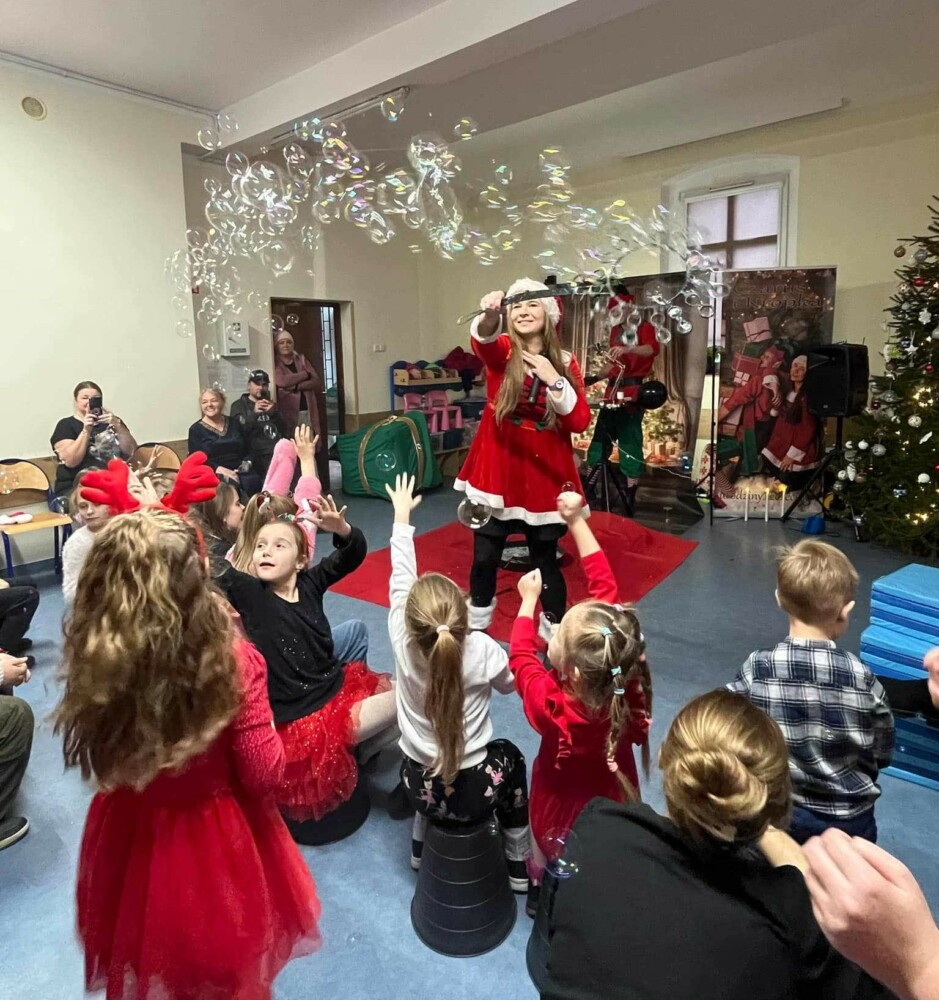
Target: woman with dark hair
{"x": 795, "y": 444}
{"x": 522, "y": 456}
{"x": 88, "y": 439}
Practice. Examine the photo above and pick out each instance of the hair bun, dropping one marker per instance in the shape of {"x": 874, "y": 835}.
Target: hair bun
{"x": 721, "y": 795}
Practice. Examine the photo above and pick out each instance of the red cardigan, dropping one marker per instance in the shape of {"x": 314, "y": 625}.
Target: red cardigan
{"x": 571, "y": 766}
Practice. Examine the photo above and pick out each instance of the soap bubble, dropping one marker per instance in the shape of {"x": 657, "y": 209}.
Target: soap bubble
{"x": 503, "y": 174}
{"x": 207, "y": 137}
{"x": 292, "y": 319}
{"x": 560, "y": 849}
{"x": 277, "y": 323}
{"x": 663, "y": 335}
{"x": 391, "y": 109}
{"x": 185, "y": 329}
{"x": 465, "y": 128}
{"x": 706, "y": 311}
{"x": 473, "y": 513}
{"x": 386, "y": 461}
{"x": 675, "y": 312}
{"x": 554, "y": 161}
{"x": 209, "y": 352}
{"x": 685, "y": 326}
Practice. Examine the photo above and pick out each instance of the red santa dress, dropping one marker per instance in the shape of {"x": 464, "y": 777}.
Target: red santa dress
{"x": 796, "y": 435}
{"x": 518, "y": 467}
{"x": 192, "y": 887}
{"x": 571, "y": 766}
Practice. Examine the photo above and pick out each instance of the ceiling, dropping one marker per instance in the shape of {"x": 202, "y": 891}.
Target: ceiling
{"x": 607, "y": 78}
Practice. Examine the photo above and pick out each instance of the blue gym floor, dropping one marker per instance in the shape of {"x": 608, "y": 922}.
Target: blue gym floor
{"x": 700, "y": 624}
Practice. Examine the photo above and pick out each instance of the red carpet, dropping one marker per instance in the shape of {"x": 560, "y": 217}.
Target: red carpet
{"x": 641, "y": 558}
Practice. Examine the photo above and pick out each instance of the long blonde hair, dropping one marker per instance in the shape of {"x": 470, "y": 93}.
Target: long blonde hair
{"x": 149, "y": 667}
{"x": 510, "y": 392}
{"x": 725, "y": 769}
{"x": 437, "y": 622}
{"x": 608, "y": 651}
{"x": 261, "y": 509}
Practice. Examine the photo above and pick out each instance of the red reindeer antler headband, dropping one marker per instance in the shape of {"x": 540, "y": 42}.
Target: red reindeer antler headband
{"x": 195, "y": 483}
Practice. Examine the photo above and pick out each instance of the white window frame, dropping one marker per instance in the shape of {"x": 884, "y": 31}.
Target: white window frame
{"x": 737, "y": 175}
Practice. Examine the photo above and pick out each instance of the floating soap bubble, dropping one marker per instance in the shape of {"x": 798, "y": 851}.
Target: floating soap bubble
{"x": 685, "y": 326}
{"x": 465, "y": 128}
{"x": 473, "y": 513}
{"x": 391, "y": 109}
{"x": 503, "y": 174}
{"x": 277, "y": 323}
{"x": 292, "y": 319}
{"x": 386, "y": 461}
{"x": 663, "y": 335}
{"x": 208, "y": 137}
{"x": 209, "y": 352}
{"x": 706, "y": 311}
{"x": 185, "y": 328}
{"x": 675, "y": 312}
{"x": 560, "y": 849}
{"x": 553, "y": 160}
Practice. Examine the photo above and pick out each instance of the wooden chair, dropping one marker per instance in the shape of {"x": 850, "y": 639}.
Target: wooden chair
{"x": 155, "y": 456}
{"x": 25, "y": 483}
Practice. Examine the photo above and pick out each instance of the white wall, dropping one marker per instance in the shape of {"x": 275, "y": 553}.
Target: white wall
{"x": 90, "y": 205}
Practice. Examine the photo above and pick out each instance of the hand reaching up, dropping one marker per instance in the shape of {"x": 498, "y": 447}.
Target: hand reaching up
{"x": 529, "y": 586}
{"x": 305, "y": 442}
{"x": 329, "y": 517}
{"x": 402, "y": 497}
{"x": 570, "y": 506}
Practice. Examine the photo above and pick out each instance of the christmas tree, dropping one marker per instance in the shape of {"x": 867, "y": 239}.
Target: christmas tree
{"x": 890, "y": 480}
{"x": 660, "y": 425}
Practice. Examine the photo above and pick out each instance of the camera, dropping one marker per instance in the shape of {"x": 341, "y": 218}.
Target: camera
{"x": 96, "y": 406}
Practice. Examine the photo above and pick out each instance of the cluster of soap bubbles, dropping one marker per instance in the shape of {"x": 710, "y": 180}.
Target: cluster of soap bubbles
{"x": 272, "y": 211}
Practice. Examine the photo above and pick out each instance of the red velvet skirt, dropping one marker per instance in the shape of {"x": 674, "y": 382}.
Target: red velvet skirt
{"x": 321, "y": 771}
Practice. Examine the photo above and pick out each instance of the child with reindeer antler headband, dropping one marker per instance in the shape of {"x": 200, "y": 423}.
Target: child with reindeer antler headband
{"x": 166, "y": 705}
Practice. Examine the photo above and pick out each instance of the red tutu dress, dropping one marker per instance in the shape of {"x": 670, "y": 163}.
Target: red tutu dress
{"x": 571, "y": 768}
{"x": 192, "y": 888}
{"x": 518, "y": 467}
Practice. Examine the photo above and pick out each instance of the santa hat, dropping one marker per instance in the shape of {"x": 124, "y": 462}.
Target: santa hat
{"x": 552, "y": 307}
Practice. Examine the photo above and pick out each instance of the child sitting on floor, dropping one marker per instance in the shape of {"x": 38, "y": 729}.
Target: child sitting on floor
{"x": 453, "y": 770}
{"x": 91, "y": 518}
{"x": 188, "y": 882}
{"x": 326, "y": 702}
{"x": 830, "y": 707}
{"x": 591, "y": 708}
{"x": 273, "y": 502}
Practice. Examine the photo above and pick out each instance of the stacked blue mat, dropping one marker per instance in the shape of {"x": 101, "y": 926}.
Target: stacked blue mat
{"x": 904, "y": 625}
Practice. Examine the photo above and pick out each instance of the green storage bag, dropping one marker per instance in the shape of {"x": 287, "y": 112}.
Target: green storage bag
{"x": 374, "y": 455}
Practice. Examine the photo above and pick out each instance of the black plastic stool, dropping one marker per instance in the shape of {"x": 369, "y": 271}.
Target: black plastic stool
{"x": 536, "y": 954}
{"x": 337, "y": 825}
{"x": 463, "y": 904}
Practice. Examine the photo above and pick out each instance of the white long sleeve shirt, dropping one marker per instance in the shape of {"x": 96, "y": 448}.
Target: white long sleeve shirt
{"x": 74, "y": 554}
{"x": 485, "y": 666}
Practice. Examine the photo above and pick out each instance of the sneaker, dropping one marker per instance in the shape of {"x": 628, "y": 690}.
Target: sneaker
{"x": 518, "y": 876}
{"x": 531, "y": 903}
{"x": 12, "y": 830}
{"x": 417, "y": 848}
{"x": 399, "y": 805}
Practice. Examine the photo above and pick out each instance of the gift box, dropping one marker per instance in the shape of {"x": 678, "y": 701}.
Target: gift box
{"x": 757, "y": 330}
{"x": 744, "y": 367}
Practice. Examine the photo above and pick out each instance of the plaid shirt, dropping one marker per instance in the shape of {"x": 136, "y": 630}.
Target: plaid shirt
{"x": 834, "y": 715}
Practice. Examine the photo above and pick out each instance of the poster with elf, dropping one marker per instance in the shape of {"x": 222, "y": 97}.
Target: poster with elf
{"x": 766, "y": 442}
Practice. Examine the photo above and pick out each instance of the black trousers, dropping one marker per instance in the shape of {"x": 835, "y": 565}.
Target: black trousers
{"x": 17, "y": 607}
{"x": 16, "y": 742}
{"x": 488, "y": 544}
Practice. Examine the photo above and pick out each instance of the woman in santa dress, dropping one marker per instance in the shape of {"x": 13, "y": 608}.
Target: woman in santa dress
{"x": 522, "y": 456}
{"x": 795, "y": 444}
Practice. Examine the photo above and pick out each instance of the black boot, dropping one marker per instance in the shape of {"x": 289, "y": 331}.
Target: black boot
{"x": 631, "y": 500}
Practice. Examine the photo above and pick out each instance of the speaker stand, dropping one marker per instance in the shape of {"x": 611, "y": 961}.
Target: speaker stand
{"x": 817, "y": 481}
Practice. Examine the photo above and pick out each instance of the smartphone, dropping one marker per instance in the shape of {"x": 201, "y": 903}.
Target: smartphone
{"x": 95, "y": 406}
{"x": 265, "y": 394}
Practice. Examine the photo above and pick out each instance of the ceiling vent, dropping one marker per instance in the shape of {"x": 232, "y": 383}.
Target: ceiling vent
{"x": 34, "y": 108}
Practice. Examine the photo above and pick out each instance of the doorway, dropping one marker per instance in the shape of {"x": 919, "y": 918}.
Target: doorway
{"x": 317, "y": 334}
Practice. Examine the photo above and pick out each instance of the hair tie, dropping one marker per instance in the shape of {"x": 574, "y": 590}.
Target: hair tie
{"x": 287, "y": 517}
{"x": 263, "y": 501}
{"x": 442, "y": 628}
{"x": 616, "y": 672}
{"x": 612, "y": 765}
{"x": 605, "y": 632}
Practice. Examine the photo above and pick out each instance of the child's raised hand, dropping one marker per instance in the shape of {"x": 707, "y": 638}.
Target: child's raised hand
{"x": 304, "y": 442}
{"x": 329, "y": 517}
{"x": 529, "y": 586}
{"x": 402, "y": 497}
{"x": 570, "y": 506}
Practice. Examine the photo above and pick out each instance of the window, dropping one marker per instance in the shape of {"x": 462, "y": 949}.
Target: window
{"x": 738, "y": 229}
{"x": 329, "y": 345}
{"x": 745, "y": 208}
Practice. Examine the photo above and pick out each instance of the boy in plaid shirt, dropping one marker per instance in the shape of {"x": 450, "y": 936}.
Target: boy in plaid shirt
{"x": 832, "y": 711}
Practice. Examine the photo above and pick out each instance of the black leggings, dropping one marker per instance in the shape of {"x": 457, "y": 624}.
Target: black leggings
{"x": 487, "y": 552}
{"x": 17, "y": 606}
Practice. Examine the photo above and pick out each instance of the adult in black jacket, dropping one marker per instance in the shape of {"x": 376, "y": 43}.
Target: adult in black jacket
{"x": 262, "y": 426}
{"x": 707, "y": 904}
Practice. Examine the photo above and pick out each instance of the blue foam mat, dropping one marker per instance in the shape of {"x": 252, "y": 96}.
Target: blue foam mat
{"x": 913, "y": 622}
{"x": 916, "y": 755}
{"x": 915, "y": 587}
{"x": 881, "y": 645}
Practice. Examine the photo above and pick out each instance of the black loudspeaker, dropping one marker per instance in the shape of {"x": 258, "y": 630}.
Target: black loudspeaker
{"x": 836, "y": 380}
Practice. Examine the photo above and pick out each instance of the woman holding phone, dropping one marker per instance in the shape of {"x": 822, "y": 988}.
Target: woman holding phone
{"x": 88, "y": 439}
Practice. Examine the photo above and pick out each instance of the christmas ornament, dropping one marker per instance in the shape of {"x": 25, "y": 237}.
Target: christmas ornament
{"x": 849, "y": 446}
{"x": 899, "y": 251}
{"x": 923, "y": 478}
{"x": 875, "y": 404}
{"x": 919, "y": 281}
{"x": 904, "y": 288}
{"x": 879, "y": 450}
{"x": 837, "y": 487}
{"x": 889, "y": 396}
{"x": 921, "y": 255}
{"x": 899, "y": 491}
{"x": 925, "y": 438}
{"x": 925, "y": 316}
{"x": 842, "y": 474}
{"x": 852, "y": 472}
{"x": 915, "y": 421}
{"x": 863, "y": 445}
{"x": 905, "y": 343}
{"x": 928, "y": 369}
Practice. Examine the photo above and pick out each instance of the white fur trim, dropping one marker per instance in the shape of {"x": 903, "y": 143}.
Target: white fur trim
{"x": 480, "y": 618}
{"x": 530, "y": 285}
{"x": 474, "y": 331}
{"x": 501, "y": 513}
{"x": 794, "y": 453}
{"x": 565, "y": 403}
